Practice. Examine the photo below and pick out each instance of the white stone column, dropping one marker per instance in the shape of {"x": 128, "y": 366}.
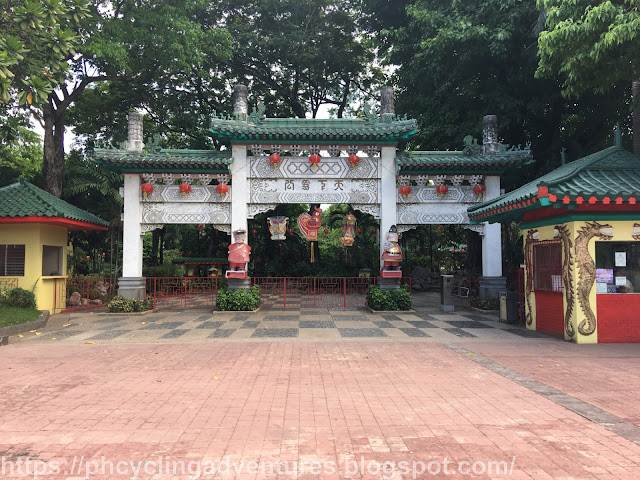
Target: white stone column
{"x": 132, "y": 285}
{"x": 388, "y": 193}
{"x": 492, "y": 281}
{"x": 239, "y": 188}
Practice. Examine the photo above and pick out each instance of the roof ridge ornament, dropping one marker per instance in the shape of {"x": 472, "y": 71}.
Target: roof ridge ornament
{"x": 257, "y": 116}
{"x": 154, "y": 144}
{"x": 471, "y": 146}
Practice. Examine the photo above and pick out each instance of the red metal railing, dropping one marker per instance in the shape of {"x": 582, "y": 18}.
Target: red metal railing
{"x": 184, "y": 292}
{"x": 315, "y": 292}
{"x": 82, "y": 293}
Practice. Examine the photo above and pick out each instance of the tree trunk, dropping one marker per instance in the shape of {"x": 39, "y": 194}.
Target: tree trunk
{"x": 53, "y": 159}
{"x": 635, "y": 94}
{"x": 155, "y": 240}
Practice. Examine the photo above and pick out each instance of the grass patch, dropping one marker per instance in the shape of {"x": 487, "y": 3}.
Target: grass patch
{"x": 14, "y": 316}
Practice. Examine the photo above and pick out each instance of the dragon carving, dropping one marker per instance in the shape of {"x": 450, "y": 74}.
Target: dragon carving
{"x": 587, "y": 270}
{"x": 567, "y": 276}
{"x": 528, "y": 281}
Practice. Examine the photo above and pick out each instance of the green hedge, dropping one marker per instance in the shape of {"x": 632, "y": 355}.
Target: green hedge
{"x": 238, "y": 300}
{"x": 121, "y": 304}
{"x": 486, "y": 304}
{"x": 18, "y": 297}
{"x": 398, "y": 299}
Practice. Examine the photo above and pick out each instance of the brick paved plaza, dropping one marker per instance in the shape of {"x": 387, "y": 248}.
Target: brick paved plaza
{"x": 339, "y": 404}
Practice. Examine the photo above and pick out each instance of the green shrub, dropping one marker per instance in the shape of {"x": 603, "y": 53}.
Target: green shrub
{"x": 166, "y": 270}
{"x": 18, "y": 297}
{"x": 485, "y": 304}
{"x": 238, "y": 300}
{"x": 124, "y": 305}
{"x": 399, "y": 299}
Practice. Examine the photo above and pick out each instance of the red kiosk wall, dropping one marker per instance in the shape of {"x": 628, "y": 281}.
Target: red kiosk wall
{"x": 549, "y": 312}
{"x": 618, "y": 317}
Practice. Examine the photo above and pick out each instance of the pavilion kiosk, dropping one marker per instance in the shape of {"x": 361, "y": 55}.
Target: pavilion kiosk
{"x": 33, "y": 239}
{"x": 581, "y": 229}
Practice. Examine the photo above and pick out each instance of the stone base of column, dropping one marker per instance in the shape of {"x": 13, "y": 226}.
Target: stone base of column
{"x": 132, "y": 287}
{"x": 239, "y": 283}
{"x": 388, "y": 283}
{"x": 490, "y": 287}
{"x": 446, "y": 302}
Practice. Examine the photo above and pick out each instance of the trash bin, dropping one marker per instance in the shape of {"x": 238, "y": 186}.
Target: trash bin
{"x": 512, "y": 307}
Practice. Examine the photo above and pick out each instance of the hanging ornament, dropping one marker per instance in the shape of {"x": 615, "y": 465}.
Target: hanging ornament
{"x": 349, "y": 228}
{"x": 479, "y": 190}
{"x": 309, "y": 226}
{"x": 354, "y": 160}
{"x": 275, "y": 159}
{"x": 185, "y": 189}
{"x": 199, "y": 226}
{"x": 326, "y": 230}
{"x": 404, "y": 191}
{"x": 462, "y": 250}
{"x": 278, "y": 227}
{"x": 254, "y": 232}
{"x": 147, "y": 189}
{"x": 222, "y": 189}
{"x": 442, "y": 190}
{"x": 374, "y": 231}
{"x": 315, "y": 159}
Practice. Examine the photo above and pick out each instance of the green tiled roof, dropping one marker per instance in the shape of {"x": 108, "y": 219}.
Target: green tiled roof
{"x": 460, "y": 162}
{"x": 23, "y": 199}
{"x": 609, "y": 176}
{"x": 199, "y": 260}
{"x": 281, "y": 130}
{"x": 204, "y": 161}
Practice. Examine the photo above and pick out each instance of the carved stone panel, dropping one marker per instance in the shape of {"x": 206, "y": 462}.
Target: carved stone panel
{"x": 422, "y": 214}
{"x": 460, "y": 194}
{"x": 198, "y": 194}
{"x": 299, "y": 167}
{"x": 157, "y": 213}
{"x": 274, "y": 191}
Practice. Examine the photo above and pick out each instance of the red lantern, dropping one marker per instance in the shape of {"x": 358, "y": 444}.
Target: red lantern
{"x": 404, "y": 191}
{"x": 185, "y": 189}
{"x": 314, "y": 159}
{"x": 88, "y": 257}
{"x": 374, "y": 231}
{"x": 453, "y": 250}
{"x": 326, "y": 230}
{"x": 275, "y": 159}
{"x": 222, "y": 189}
{"x": 354, "y": 160}
{"x": 289, "y": 231}
{"x": 147, "y": 189}
{"x": 479, "y": 189}
{"x": 254, "y": 231}
{"x": 441, "y": 228}
{"x": 462, "y": 250}
{"x": 199, "y": 227}
{"x": 442, "y": 190}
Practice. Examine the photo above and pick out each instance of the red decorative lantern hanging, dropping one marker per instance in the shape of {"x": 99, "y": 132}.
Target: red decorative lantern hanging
{"x": 147, "y": 189}
{"x": 479, "y": 190}
{"x": 314, "y": 159}
{"x": 199, "y": 226}
{"x": 185, "y": 189}
{"x": 374, "y": 231}
{"x": 404, "y": 191}
{"x": 222, "y": 189}
{"x": 354, "y": 160}
{"x": 275, "y": 159}
{"x": 442, "y": 190}
{"x": 254, "y": 231}
{"x": 462, "y": 250}
{"x": 326, "y": 230}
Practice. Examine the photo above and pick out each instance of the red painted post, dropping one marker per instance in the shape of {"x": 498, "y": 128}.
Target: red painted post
{"x": 314, "y": 291}
{"x": 285, "y": 293}
{"x": 88, "y": 292}
{"x": 155, "y": 292}
{"x": 185, "y": 292}
{"x": 344, "y": 289}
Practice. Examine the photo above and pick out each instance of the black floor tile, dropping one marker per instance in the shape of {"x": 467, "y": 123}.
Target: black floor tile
{"x": 111, "y": 319}
{"x": 317, "y": 324}
{"x": 250, "y": 324}
{"x": 210, "y": 324}
{"x": 222, "y": 333}
{"x": 109, "y": 335}
{"x": 460, "y": 333}
{"x": 241, "y": 317}
{"x": 421, "y": 324}
{"x": 384, "y": 324}
{"x": 390, "y": 317}
{"x": 275, "y": 332}
{"x": 163, "y": 326}
{"x": 175, "y": 333}
{"x": 467, "y": 324}
{"x": 523, "y": 332}
{"x": 281, "y": 318}
{"x": 350, "y": 318}
{"x": 414, "y": 332}
{"x": 60, "y": 334}
{"x": 201, "y": 318}
{"x": 361, "y": 332}
{"x": 479, "y": 318}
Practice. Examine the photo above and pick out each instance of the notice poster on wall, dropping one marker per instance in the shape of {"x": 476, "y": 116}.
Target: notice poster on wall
{"x": 604, "y": 275}
{"x": 621, "y": 259}
{"x": 621, "y": 281}
{"x": 601, "y": 288}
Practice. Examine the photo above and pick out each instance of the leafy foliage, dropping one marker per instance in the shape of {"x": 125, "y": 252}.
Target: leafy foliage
{"x": 389, "y": 300}
{"x": 238, "y": 300}
{"x": 485, "y": 304}
{"x": 18, "y": 297}
{"x": 121, "y": 304}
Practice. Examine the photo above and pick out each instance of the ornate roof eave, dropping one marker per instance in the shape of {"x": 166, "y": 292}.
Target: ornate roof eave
{"x": 413, "y": 163}
{"x": 163, "y": 160}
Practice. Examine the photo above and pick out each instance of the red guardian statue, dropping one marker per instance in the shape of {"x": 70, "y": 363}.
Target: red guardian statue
{"x": 391, "y": 255}
{"x": 239, "y": 253}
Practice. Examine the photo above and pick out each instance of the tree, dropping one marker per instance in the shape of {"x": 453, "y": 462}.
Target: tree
{"x": 131, "y": 41}
{"x": 298, "y": 55}
{"x": 20, "y": 150}
{"x": 594, "y": 46}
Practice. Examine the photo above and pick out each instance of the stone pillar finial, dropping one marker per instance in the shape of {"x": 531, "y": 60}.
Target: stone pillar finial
{"x": 490, "y": 142}
{"x": 240, "y": 102}
{"x": 387, "y": 108}
{"x": 134, "y": 138}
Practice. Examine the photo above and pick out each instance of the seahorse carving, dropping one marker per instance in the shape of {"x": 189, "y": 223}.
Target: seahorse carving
{"x": 528, "y": 281}
{"x": 587, "y": 270}
{"x": 635, "y": 234}
{"x": 567, "y": 276}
